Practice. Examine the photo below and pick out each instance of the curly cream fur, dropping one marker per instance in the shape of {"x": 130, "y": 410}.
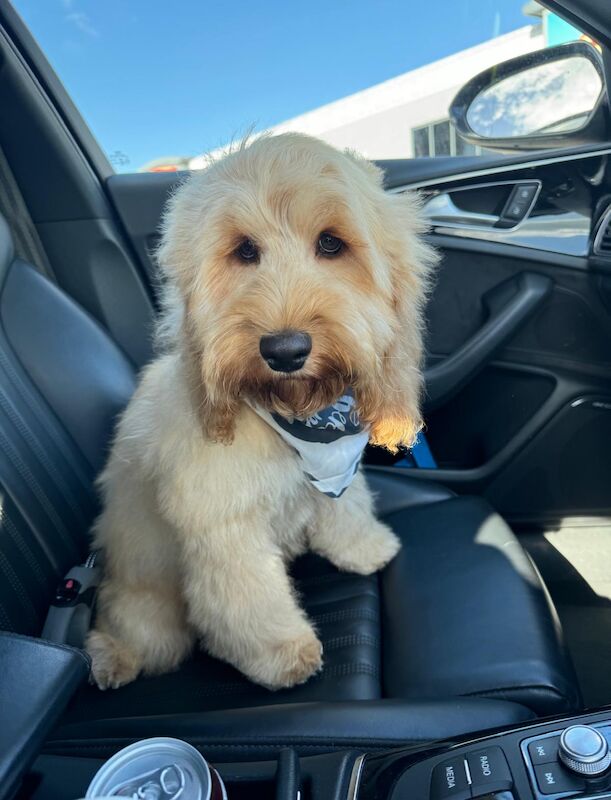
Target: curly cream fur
{"x": 204, "y": 505}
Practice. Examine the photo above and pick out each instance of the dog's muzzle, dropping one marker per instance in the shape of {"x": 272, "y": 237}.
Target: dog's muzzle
{"x": 285, "y": 351}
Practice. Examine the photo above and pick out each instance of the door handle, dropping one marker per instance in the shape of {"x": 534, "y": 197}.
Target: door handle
{"x": 509, "y": 305}
{"x": 443, "y": 211}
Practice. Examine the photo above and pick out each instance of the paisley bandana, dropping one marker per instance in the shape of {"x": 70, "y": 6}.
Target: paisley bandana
{"x": 330, "y": 443}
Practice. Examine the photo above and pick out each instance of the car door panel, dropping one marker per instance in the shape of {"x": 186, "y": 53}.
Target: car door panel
{"x": 507, "y": 307}
{"x": 527, "y": 430}
{"x": 529, "y": 399}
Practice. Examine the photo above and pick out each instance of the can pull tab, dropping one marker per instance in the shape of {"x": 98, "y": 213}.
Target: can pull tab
{"x": 166, "y": 783}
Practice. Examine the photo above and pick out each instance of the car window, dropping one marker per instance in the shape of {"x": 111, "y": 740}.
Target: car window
{"x": 162, "y": 86}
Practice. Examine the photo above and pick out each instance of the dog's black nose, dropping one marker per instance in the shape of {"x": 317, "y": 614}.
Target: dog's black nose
{"x": 286, "y": 351}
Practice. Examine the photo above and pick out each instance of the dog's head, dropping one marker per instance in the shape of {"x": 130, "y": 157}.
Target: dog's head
{"x": 298, "y": 276}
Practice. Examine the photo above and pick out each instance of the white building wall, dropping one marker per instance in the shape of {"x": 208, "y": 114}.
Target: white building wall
{"x": 378, "y": 121}
{"x": 388, "y": 134}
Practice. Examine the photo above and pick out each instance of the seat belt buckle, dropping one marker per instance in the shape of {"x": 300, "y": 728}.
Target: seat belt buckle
{"x": 69, "y": 616}
{"x": 67, "y": 593}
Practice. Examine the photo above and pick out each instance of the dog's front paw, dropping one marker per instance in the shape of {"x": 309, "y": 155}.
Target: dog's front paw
{"x": 112, "y": 664}
{"x": 296, "y": 661}
{"x": 289, "y": 663}
{"x": 368, "y": 551}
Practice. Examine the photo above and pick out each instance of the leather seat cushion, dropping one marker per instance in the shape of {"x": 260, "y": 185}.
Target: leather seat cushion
{"x": 444, "y": 628}
{"x": 465, "y": 613}
{"x": 346, "y": 611}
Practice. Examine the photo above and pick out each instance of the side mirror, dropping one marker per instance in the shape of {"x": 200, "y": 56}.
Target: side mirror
{"x": 550, "y": 98}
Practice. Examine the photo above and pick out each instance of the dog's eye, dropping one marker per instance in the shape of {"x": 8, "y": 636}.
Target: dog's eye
{"x": 248, "y": 251}
{"x": 329, "y": 245}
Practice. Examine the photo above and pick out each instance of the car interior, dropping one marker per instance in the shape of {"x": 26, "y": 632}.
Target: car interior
{"x": 451, "y": 674}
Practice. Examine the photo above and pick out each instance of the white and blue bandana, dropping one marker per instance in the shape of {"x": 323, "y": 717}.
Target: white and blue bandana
{"x": 329, "y": 443}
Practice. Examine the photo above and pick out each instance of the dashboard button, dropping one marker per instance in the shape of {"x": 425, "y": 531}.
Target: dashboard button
{"x": 489, "y": 770}
{"x": 554, "y": 778}
{"x": 543, "y": 751}
{"x": 450, "y": 781}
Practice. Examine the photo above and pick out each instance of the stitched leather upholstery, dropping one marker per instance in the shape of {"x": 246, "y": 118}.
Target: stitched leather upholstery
{"x": 346, "y": 610}
{"x": 62, "y": 383}
{"x": 55, "y": 363}
{"x": 419, "y": 642}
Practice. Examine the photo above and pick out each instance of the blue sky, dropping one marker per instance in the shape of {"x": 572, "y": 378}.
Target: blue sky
{"x": 158, "y": 78}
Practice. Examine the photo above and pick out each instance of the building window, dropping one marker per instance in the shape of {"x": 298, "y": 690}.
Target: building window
{"x": 440, "y": 139}
{"x": 420, "y": 137}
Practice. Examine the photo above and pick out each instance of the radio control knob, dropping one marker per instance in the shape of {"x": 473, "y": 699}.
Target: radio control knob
{"x": 584, "y": 750}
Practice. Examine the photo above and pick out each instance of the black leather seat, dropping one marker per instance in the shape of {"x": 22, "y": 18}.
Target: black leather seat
{"x": 458, "y": 625}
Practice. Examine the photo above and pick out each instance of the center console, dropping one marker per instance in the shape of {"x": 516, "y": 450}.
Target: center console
{"x": 568, "y": 757}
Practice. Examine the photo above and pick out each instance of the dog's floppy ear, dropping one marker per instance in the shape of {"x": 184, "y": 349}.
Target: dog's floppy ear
{"x": 216, "y": 416}
{"x": 178, "y": 257}
{"x": 391, "y": 402}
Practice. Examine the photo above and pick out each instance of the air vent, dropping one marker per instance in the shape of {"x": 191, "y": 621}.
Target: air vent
{"x": 602, "y": 243}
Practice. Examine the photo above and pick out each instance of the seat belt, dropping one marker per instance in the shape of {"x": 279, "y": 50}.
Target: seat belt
{"x": 419, "y": 456}
{"x": 14, "y": 209}
{"x": 69, "y": 616}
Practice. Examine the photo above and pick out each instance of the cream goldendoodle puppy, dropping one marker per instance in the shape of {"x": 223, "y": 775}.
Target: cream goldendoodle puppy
{"x": 295, "y": 288}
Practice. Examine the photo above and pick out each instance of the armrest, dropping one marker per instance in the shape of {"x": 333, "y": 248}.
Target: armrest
{"x": 37, "y": 679}
{"x": 258, "y": 733}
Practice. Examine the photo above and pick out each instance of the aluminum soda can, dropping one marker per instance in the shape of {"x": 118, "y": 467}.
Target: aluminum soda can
{"x": 157, "y": 769}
